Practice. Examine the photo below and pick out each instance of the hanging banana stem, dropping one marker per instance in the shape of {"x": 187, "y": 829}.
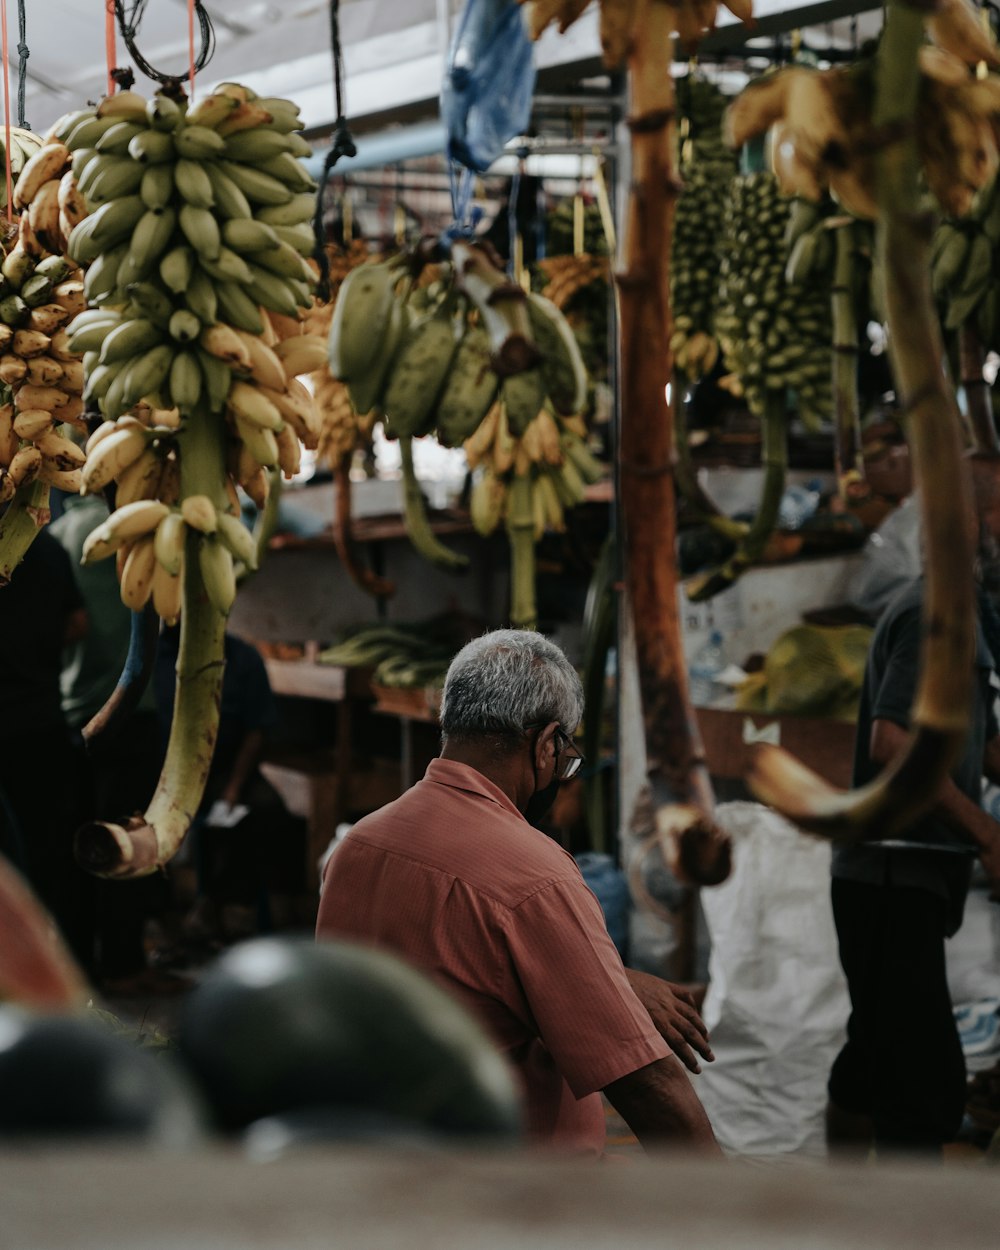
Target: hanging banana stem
{"x": 686, "y": 477}
{"x": 675, "y": 760}
{"x": 599, "y": 638}
{"x": 343, "y": 538}
{"x": 774, "y": 459}
{"x": 26, "y": 514}
{"x": 939, "y": 714}
{"x": 521, "y": 537}
{"x": 136, "y": 672}
{"x": 265, "y": 525}
{"x": 848, "y": 458}
{"x": 147, "y": 842}
{"x": 971, "y": 357}
{"x": 415, "y": 514}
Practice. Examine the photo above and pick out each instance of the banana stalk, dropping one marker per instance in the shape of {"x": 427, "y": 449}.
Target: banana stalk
{"x": 418, "y": 527}
{"x": 343, "y": 536}
{"x": 686, "y": 477}
{"x": 599, "y": 637}
{"x": 848, "y": 458}
{"x": 774, "y": 458}
{"x": 523, "y": 606}
{"x": 679, "y": 784}
{"x": 939, "y": 714}
{"x": 136, "y": 672}
{"x": 149, "y": 841}
{"x": 26, "y": 514}
{"x": 982, "y": 428}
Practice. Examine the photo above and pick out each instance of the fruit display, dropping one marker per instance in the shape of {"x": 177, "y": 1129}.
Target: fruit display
{"x": 402, "y": 654}
{"x": 707, "y": 166}
{"x": 963, "y": 268}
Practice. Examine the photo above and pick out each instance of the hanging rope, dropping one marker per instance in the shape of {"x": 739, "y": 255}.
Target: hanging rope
{"x": 342, "y": 144}
{"x": 191, "y": 57}
{"x": 128, "y": 24}
{"x": 110, "y": 47}
{"x": 22, "y": 63}
{"x": 6, "y": 113}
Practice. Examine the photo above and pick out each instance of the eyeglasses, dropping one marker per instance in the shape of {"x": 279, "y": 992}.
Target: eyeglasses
{"x": 571, "y": 764}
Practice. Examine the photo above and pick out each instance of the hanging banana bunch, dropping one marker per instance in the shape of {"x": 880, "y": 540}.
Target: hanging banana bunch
{"x": 195, "y": 240}
{"x": 343, "y": 431}
{"x": 707, "y": 166}
{"x": 41, "y": 377}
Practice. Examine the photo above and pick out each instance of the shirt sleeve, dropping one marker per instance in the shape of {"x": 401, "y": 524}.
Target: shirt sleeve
{"x": 587, "y": 1014}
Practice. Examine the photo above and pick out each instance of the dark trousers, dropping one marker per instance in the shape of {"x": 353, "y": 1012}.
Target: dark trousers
{"x": 902, "y": 1064}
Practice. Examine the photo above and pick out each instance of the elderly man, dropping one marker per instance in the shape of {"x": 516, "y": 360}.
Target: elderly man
{"x": 453, "y": 877}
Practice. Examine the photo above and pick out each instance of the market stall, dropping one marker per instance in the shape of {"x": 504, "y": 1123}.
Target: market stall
{"x": 362, "y": 330}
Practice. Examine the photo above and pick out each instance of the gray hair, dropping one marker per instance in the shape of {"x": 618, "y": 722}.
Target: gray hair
{"x": 505, "y": 681}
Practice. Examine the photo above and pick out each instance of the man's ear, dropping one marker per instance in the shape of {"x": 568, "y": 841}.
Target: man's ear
{"x": 545, "y": 744}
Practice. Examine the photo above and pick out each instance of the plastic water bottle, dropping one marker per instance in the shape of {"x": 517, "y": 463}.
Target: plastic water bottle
{"x": 705, "y": 666}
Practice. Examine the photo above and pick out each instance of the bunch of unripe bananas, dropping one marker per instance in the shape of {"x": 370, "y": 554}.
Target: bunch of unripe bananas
{"x": 775, "y": 333}
{"x": 445, "y": 358}
{"x": 197, "y": 217}
{"x": 707, "y": 166}
{"x": 194, "y": 227}
{"x": 964, "y": 267}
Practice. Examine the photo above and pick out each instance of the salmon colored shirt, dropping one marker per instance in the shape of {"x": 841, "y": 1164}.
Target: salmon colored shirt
{"x": 452, "y": 878}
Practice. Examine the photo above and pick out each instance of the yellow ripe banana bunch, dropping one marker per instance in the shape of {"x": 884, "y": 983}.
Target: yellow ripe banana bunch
{"x": 42, "y": 378}
{"x": 198, "y": 217}
{"x": 551, "y": 455}
{"x": 23, "y": 146}
{"x": 826, "y": 132}
{"x": 148, "y": 538}
{"x": 565, "y": 276}
{"x": 618, "y": 21}
{"x": 774, "y": 333}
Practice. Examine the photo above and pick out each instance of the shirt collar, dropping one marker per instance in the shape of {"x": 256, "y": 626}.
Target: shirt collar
{"x": 464, "y": 777}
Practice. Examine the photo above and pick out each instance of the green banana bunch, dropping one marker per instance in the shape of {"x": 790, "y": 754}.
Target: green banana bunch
{"x": 774, "y": 317}
{"x": 707, "y": 166}
{"x": 963, "y": 262}
{"x": 195, "y": 219}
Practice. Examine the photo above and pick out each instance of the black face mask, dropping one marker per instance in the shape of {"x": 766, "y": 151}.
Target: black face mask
{"x": 540, "y": 803}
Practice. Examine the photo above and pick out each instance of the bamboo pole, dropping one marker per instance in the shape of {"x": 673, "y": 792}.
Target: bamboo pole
{"x": 678, "y": 778}
{"x": 849, "y": 461}
{"x": 939, "y": 715}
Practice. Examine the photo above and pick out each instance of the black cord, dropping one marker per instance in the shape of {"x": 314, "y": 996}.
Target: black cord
{"x": 22, "y": 63}
{"x": 342, "y": 145}
{"x": 129, "y": 27}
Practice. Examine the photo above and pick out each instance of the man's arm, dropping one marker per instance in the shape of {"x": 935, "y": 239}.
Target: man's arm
{"x": 672, "y": 1010}
{"x": 76, "y": 626}
{"x": 660, "y": 1106}
{"x": 991, "y": 760}
{"x": 889, "y": 740}
{"x": 244, "y": 764}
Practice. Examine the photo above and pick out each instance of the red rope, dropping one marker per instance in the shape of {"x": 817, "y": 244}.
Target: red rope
{"x": 191, "y": 49}
{"x": 6, "y": 112}
{"x": 110, "y": 48}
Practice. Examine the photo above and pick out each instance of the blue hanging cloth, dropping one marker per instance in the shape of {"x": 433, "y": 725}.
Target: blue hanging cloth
{"x": 488, "y": 83}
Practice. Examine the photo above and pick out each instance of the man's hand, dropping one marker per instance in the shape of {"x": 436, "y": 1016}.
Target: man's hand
{"x": 672, "y": 1010}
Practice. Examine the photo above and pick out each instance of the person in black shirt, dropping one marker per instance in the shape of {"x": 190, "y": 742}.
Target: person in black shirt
{"x": 899, "y": 1082}
{"x": 41, "y": 611}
